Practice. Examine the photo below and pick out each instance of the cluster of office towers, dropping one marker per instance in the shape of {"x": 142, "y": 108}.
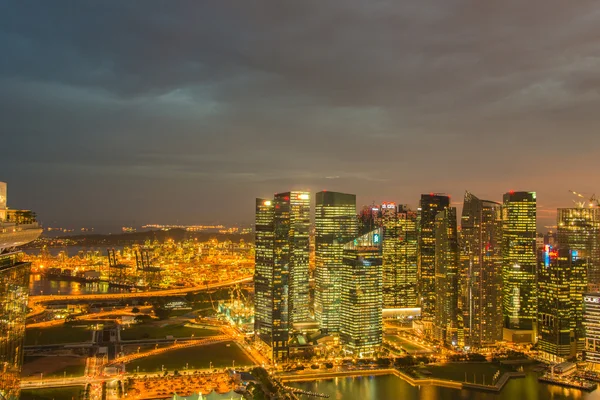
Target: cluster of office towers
{"x": 486, "y": 280}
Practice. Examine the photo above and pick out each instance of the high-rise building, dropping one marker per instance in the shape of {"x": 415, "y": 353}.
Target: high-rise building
{"x": 282, "y": 272}
{"x": 388, "y": 220}
{"x": 335, "y": 225}
{"x": 14, "y": 291}
{"x": 519, "y": 291}
{"x": 268, "y": 315}
{"x": 562, "y": 282}
{"x": 481, "y": 270}
{"x": 406, "y": 270}
{"x": 448, "y": 318}
{"x": 429, "y": 206}
{"x": 361, "y": 328}
{"x": 591, "y": 322}
{"x": 579, "y": 229}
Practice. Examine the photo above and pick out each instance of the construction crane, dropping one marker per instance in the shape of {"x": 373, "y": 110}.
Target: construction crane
{"x": 591, "y": 202}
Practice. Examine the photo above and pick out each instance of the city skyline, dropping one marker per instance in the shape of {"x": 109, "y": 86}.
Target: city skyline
{"x": 186, "y": 110}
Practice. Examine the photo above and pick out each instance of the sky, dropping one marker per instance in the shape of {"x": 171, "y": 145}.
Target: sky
{"x": 133, "y": 112}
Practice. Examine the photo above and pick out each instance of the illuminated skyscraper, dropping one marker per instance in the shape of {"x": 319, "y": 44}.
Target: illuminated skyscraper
{"x": 388, "y": 220}
{"x": 481, "y": 270}
{"x": 519, "y": 296}
{"x": 591, "y": 322}
{"x": 406, "y": 270}
{"x": 430, "y": 205}
{"x": 335, "y": 225}
{"x": 281, "y": 277}
{"x": 361, "y": 328}
{"x": 268, "y": 286}
{"x": 291, "y": 250}
{"x": 561, "y": 285}
{"x": 579, "y": 229}
{"x": 14, "y": 291}
{"x": 448, "y": 318}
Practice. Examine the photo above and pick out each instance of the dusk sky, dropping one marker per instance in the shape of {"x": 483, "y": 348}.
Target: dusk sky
{"x": 134, "y": 112}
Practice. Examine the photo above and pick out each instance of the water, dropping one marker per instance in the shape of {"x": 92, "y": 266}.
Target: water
{"x": 392, "y": 387}
{"x": 40, "y": 286}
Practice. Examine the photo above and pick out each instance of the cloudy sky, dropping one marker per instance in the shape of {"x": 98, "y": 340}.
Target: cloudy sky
{"x": 133, "y": 112}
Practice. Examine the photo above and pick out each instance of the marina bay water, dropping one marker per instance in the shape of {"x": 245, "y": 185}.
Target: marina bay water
{"x": 391, "y": 387}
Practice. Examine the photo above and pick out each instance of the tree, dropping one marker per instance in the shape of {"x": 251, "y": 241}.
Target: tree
{"x": 135, "y": 310}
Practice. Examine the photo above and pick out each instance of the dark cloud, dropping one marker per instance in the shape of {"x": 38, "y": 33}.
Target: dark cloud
{"x": 156, "y": 111}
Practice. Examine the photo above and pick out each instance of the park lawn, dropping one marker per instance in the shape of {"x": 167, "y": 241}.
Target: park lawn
{"x": 155, "y": 331}
{"x": 55, "y": 366}
{"x": 406, "y": 345}
{"x": 197, "y": 357}
{"x": 57, "y": 335}
{"x": 66, "y": 393}
{"x": 456, "y": 371}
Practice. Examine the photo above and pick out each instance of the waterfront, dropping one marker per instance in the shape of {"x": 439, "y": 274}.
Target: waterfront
{"x": 392, "y": 387}
{"x": 38, "y": 285}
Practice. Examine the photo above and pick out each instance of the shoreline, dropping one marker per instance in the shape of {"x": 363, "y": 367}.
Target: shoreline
{"x": 504, "y": 378}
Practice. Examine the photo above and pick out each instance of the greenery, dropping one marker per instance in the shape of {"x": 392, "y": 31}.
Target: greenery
{"x": 56, "y": 335}
{"x": 151, "y": 331}
{"x": 196, "y": 357}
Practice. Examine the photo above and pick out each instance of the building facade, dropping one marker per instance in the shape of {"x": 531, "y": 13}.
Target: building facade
{"x": 282, "y": 273}
{"x": 579, "y": 230}
{"x": 335, "y": 225}
{"x": 448, "y": 324}
{"x": 361, "y": 328}
{"x": 14, "y": 293}
{"x": 562, "y": 282}
{"x": 429, "y": 206}
{"x": 481, "y": 270}
{"x": 591, "y": 322}
{"x": 519, "y": 264}
{"x": 406, "y": 270}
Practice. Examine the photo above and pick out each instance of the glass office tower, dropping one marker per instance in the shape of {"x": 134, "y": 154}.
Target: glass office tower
{"x": 335, "y": 225}
{"x": 405, "y": 295}
{"x": 591, "y": 322}
{"x": 429, "y": 206}
{"x": 519, "y": 266}
{"x": 282, "y": 257}
{"x": 266, "y": 285}
{"x": 361, "y": 328}
{"x": 448, "y": 318}
{"x": 14, "y": 291}
{"x": 481, "y": 270}
{"x": 562, "y": 282}
{"x": 579, "y": 229}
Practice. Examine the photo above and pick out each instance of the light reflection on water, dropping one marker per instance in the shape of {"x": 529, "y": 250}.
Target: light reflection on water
{"x": 40, "y": 286}
{"x": 392, "y": 387}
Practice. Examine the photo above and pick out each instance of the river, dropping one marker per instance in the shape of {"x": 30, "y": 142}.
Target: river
{"x": 391, "y": 387}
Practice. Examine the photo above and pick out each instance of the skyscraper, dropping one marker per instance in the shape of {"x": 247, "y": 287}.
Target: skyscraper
{"x": 361, "y": 328}
{"x": 448, "y": 318}
{"x": 481, "y": 270}
{"x": 561, "y": 285}
{"x": 429, "y": 206}
{"x": 519, "y": 295}
{"x": 579, "y": 229}
{"x": 591, "y": 322}
{"x": 14, "y": 291}
{"x": 406, "y": 270}
{"x": 268, "y": 285}
{"x": 281, "y": 274}
{"x": 335, "y": 225}
{"x": 388, "y": 220}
